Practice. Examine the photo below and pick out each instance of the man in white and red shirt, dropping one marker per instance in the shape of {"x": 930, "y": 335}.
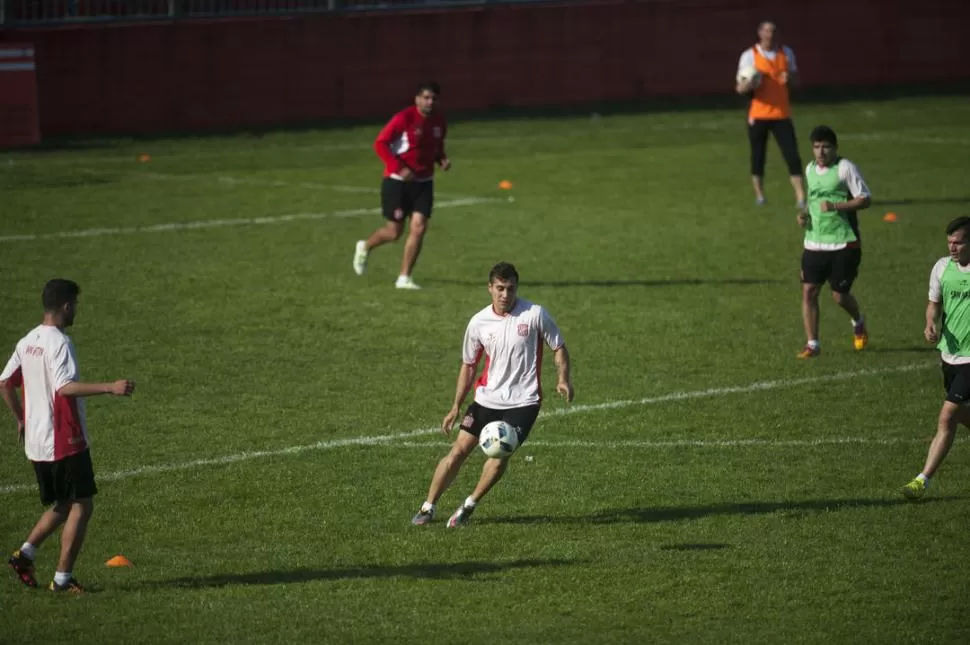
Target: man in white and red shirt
{"x": 510, "y": 333}
{"x": 410, "y": 145}
{"x": 52, "y": 427}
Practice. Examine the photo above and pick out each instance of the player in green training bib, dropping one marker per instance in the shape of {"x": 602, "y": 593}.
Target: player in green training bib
{"x": 833, "y": 249}
{"x": 948, "y": 325}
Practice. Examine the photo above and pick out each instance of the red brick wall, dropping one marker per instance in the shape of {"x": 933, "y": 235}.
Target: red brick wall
{"x": 194, "y": 75}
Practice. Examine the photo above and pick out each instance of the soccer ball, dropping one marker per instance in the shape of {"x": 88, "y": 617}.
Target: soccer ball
{"x": 750, "y": 73}
{"x": 498, "y": 440}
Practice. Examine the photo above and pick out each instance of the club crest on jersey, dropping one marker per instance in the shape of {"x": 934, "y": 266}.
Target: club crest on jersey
{"x": 437, "y": 132}
{"x": 417, "y": 132}
{"x": 523, "y": 330}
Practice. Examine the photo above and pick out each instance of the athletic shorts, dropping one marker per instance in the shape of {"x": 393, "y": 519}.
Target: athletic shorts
{"x": 956, "y": 382}
{"x": 478, "y": 416}
{"x": 784, "y": 132}
{"x": 67, "y": 479}
{"x": 401, "y": 198}
{"x": 838, "y": 268}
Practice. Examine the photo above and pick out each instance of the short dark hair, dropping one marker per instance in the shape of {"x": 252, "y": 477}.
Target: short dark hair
{"x": 962, "y": 222}
{"x": 58, "y": 292}
{"x": 824, "y": 133}
{"x": 503, "y": 271}
{"x": 430, "y": 86}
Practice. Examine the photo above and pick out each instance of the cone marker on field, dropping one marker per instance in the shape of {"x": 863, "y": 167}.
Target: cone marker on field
{"x": 505, "y": 184}
{"x": 889, "y": 217}
{"x": 119, "y": 561}
{"x": 144, "y": 158}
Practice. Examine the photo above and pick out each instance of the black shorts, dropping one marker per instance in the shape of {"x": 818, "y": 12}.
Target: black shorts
{"x": 478, "y": 416}
{"x": 840, "y": 268}
{"x": 67, "y": 479}
{"x": 956, "y": 382}
{"x": 784, "y": 132}
{"x": 401, "y": 198}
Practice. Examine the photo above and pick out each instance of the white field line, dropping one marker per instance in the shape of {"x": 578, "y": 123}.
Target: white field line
{"x": 221, "y": 223}
{"x": 698, "y": 443}
{"x": 278, "y": 183}
{"x": 761, "y": 386}
{"x": 252, "y": 181}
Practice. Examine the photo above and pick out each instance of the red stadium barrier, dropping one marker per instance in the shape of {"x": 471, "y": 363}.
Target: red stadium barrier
{"x": 221, "y": 74}
{"x": 18, "y": 96}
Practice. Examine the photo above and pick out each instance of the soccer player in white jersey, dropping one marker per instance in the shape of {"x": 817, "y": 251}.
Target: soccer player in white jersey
{"x": 52, "y": 427}
{"x": 948, "y": 327}
{"x": 511, "y": 332}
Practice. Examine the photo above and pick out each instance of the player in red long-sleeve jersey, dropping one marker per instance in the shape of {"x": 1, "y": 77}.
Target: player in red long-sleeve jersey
{"x": 410, "y": 145}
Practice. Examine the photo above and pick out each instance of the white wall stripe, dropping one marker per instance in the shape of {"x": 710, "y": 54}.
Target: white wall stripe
{"x": 760, "y": 386}
{"x": 17, "y": 67}
{"x": 16, "y": 53}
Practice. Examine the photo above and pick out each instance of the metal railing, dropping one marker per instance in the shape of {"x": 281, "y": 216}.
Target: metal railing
{"x": 38, "y": 12}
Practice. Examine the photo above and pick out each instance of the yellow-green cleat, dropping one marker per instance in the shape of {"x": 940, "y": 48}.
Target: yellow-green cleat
{"x": 914, "y": 490}
{"x": 71, "y": 586}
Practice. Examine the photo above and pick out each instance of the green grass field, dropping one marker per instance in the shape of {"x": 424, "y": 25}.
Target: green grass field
{"x": 704, "y": 487}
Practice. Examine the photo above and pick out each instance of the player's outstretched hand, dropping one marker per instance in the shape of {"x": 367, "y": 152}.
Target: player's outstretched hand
{"x": 565, "y": 389}
{"x": 803, "y": 218}
{"x": 446, "y": 164}
{"x": 449, "y": 420}
{"x": 123, "y": 387}
{"x": 931, "y": 335}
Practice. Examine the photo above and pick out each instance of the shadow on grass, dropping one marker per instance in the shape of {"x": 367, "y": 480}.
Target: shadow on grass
{"x": 717, "y": 546}
{"x": 435, "y": 571}
{"x": 45, "y": 180}
{"x": 643, "y": 104}
{"x": 677, "y": 513}
{"x": 677, "y": 282}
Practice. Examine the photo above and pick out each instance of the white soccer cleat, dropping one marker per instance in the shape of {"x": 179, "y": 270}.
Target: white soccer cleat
{"x": 406, "y": 282}
{"x": 360, "y": 258}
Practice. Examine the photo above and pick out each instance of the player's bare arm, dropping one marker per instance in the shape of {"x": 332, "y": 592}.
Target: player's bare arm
{"x": 744, "y": 87}
{"x": 934, "y": 311}
{"x": 565, "y": 385}
{"x": 466, "y": 375}
{"x": 854, "y": 204}
{"x": 123, "y": 387}
{"x": 9, "y": 393}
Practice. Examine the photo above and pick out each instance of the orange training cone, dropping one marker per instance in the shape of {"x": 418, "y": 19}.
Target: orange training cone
{"x": 505, "y": 184}
{"x": 889, "y": 217}
{"x": 144, "y": 158}
{"x": 119, "y": 561}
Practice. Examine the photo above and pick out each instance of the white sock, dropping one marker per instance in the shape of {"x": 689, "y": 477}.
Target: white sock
{"x": 814, "y": 344}
{"x": 469, "y": 502}
{"x": 427, "y": 507}
{"x": 28, "y": 550}
{"x": 61, "y": 578}
{"x": 923, "y": 478}
{"x": 857, "y": 323}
